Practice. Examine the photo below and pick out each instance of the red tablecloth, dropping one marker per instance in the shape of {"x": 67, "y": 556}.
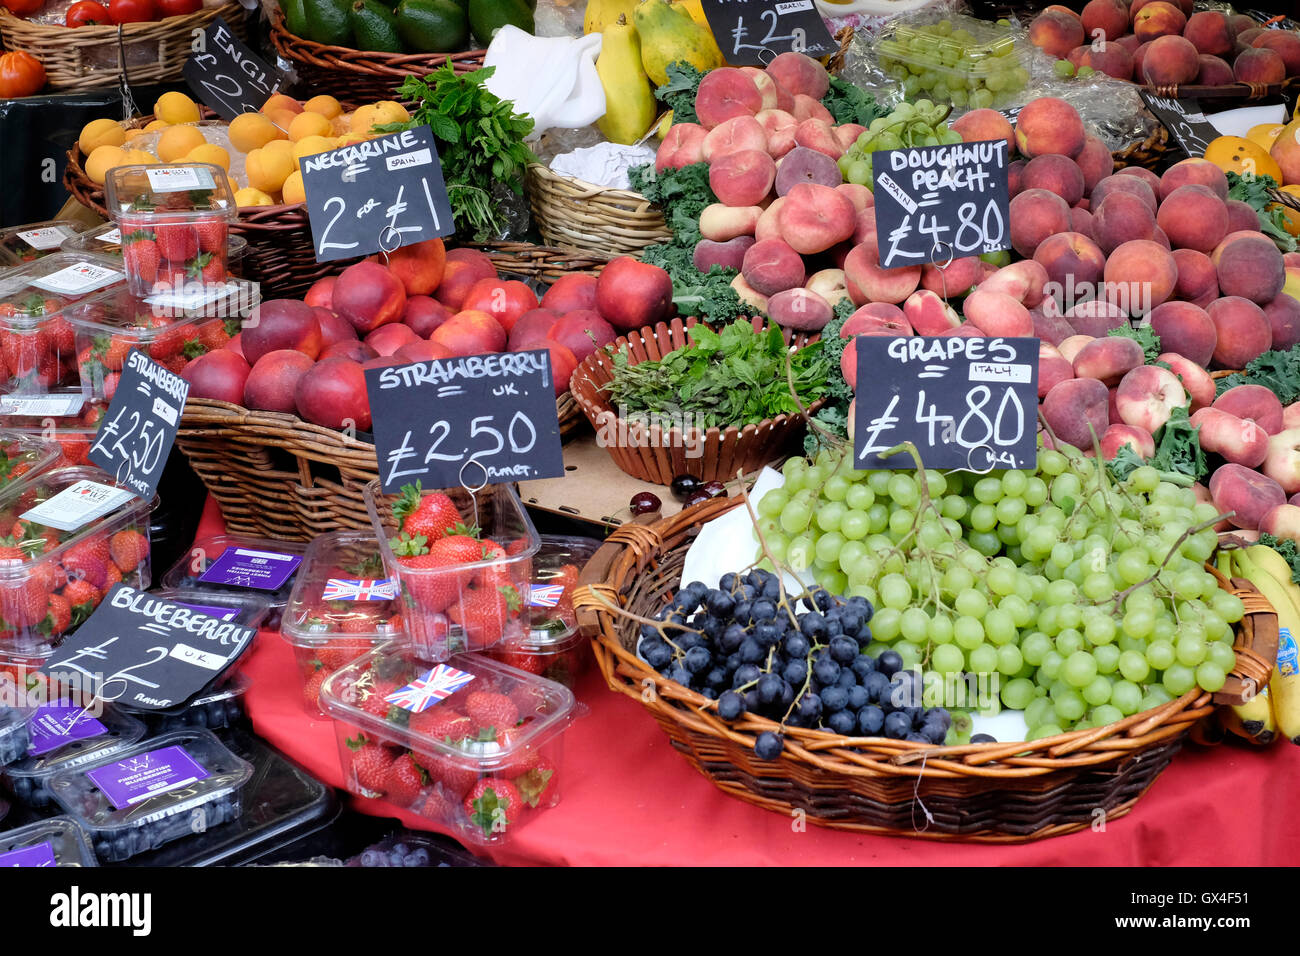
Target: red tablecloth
{"x": 628, "y": 798}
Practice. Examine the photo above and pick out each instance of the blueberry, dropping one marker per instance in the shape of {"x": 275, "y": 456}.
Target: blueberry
{"x": 843, "y": 649}
{"x": 870, "y": 720}
{"x": 421, "y": 856}
{"x": 826, "y": 670}
{"x": 796, "y": 672}
{"x": 812, "y": 625}
{"x": 697, "y": 659}
{"x": 859, "y": 697}
{"x": 730, "y": 639}
{"x": 745, "y": 674}
{"x": 796, "y": 645}
{"x": 863, "y": 666}
{"x": 372, "y": 858}
{"x": 889, "y": 663}
{"x": 843, "y": 722}
{"x": 834, "y": 698}
{"x": 751, "y": 652}
{"x": 730, "y": 705}
{"x": 897, "y": 725}
{"x": 983, "y": 739}
{"x": 768, "y": 746}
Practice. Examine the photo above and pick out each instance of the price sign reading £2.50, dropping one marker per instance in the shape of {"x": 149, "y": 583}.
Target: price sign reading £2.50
{"x": 377, "y": 195}
{"x": 965, "y": 403}
{"x": 938, "y": 203}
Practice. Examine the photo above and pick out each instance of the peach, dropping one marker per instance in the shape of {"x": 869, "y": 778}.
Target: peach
{"x": 1253, "y": 403}
{"x": 1023, "y": 281}
{"x": 1193, "y": 217}
{"x": 772, "y": 266}
{"x": 421, "y": 350}
{"x": 1035, "y": 215}
{"x": 1169, "y": 61}
{"x": 1112, "y": 409}
{"x": 1127, "y": 180}
{"x": 387, "y": 339}
{"x": 778, "y": 128}
{"x": 1241, "y": 216}
{"x": 724, "y": 93}
{"x": 1096, "y": 317}
{"x": 749, "y": 295}
{"x": 874, "y": 317}
{"x": 1233, "y": 439}
{"x": 799, "y": 309}
{"x": 804, "y": 165}
{"x": 954, "y": 279}
{"x": 1282, "y": 463}
{"x": 766, "y": 227}
{"x": 848, "y": 134}
{"x": 220, "y": 375}
{"x": 800, "y": 74}
{"x": 1077, "y": 410}
{"x": 1243, "y": 330}
{"x": 1198, "y": 281}
{"x": 819, "y": 135}
{"x": 355, "y": 349}
{"x": 1071, "y": 347}
{"x": 1015, "y": 177}
{"x": 1137, "y": 438}
{"x": 582, "y": 331}
{"x": 1211, "y": 32}
{"x": 1139, "y": 58}
{"x": 1110, "y": 17}
{"x": 721, "y": 222}
{"x": 814, "y": 218}
{"x": 1249, "y": 265}
{"x": 859, "y": 195}
{"x": 829, "y": 284}
{"x": 996, "y": 313}
{"x": 1055, "y": 33}
{"x": 742, "y": 178}
{"x": 1095, "y": 162}
{"x": 730, "y": 253}
{"x": 1128, "y": 41}
{"x": 1147, "y": 395}
{"x": 1195, "y": 379}
{"x": 1119, "y": 218}
{"x": 335, "y": 328}
{"x": 805, "y": 108}
{"x": 1143, "y": 274}
{"x": 928, "y": 314}
{"x": 1186, "y": 329}
{"x": 765, "y": 85}
{"x": 1158, "y": 19}
{"x": 464, "y": 267}
{"x": 1056, "y": 174}
{"x": 985, "y": 124}
{"x": 1081, "y": 221}
{"x": 504, "y": 300}
{"x": 1282, "y": 522}
{"x": 1069, "y": 257}
{"x": 1285, "y": 44}
{"x": 733, "y": 135}
{"x": 1184, "y": 5}
{"x": 1194, "y": 171}
{"x": 423, "y": 314}
{"x": 1111, "y": 59}
{"x": 470, "y": 332}
{"x": 1214, "y": 71}
{"x": 534, "y": 327}
{"x": 571, "y": 292}
{"x": 1108, "y": 359}
{"x": 1284, "y": 319}
{"x": 631, "y": 294}
{"x": 868, "y": 281}
{"x": 333, "y": 393}
{"x": 280, "y": 324}
{"x": 1053, "y": 368}
{"x": 1049, "y": 125}
{"x": 368, "y": 296}
{"x": 683, "y": 146}
{"x": 321, "y": 293}
{"x": 1259, "y": 65}
{"x": 271, "y": 381}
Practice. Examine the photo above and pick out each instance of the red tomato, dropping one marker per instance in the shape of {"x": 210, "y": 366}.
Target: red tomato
{"x": 21, "y": 74}
{"x": 23, "y": 8}
{"x": 87, "y": 13}
{"x": 178, "y": 8}
{"x": 132, "y": 11}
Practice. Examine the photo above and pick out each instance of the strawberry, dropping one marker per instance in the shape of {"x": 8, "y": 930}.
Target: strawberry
{"x": 141, "y": 257}
{"x": 370, "y": 763}
{"x": 111, "y": 575}
{"x": 214, "y": 334}
{"x": 431, "y": 516}
{"x": 436, "y": 591}
{"x": 518, "y": 546}
{"x": 373, "y": 701}
{"x": 311, "y": 692}
{"x": 522, "y": 660}
{"x": 211, "y": 234}
{"x": 206, "y": 268}
{"x": 128, "y": 549}
{"x": 177, "y": 243}
{"x": 82, "y": 596}
{"x": 170, "y": 342}
{"x": 58, "y": 618}
{"x": 493, "y": 804}
{"x": 455, "y": 779}
{"x": 438, "y": 806}
{"x": 534, "y": 781}
{"x": 485, "y": 613}
{"x": 24, "y": 604}
{"x": 341, "y": 652}
{"x": 90, "y": 559}
{"x": 491, "y": 711}
{"x": 404, "y": 780}
{"x": 438, "y": 723}
{"x": 63, "y": 337}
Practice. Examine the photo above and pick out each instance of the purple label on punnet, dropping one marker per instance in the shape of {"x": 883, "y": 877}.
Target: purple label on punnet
{"x": 220, "y": 613}
{"x": 249, "y": 568}
{"x": 42, "y": 854}
{"x": 54, "y": 725}
{"x": 127, "y": 782}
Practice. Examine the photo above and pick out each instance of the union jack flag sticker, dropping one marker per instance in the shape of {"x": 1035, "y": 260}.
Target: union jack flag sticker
{"x": 545, "y": 595}
{"x": 342, "y": 589}
{"x": 423, "y": 692}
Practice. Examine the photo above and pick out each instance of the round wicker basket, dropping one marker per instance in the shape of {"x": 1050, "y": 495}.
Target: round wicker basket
{"x": 570, "y": 212}
{"x": 86, "y": 58}
{"x": 991, "y": 793}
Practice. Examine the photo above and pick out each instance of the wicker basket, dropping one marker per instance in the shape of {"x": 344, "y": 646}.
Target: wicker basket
{"x": 86, "y": 58}
{"x": 358, "y": 75}
{"x": 570, "y": 212}
{"x": 991, "y": 793}
{"x": 725, "y": 451}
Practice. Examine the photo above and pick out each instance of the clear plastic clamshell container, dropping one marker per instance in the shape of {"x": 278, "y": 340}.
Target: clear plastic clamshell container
{"x": 234, "y": 564}
{"x": 35, "y": 240}
{"x": 71, "y": 437}
{"x": 15, "y": 716}
{"x": 159, "y": 790}
{"x": 961, "y": 60}
{"x": 469, "y": 743}
{"x": 66, "y": 735}
{"x": 107, "y": 241}
{"x": 342, "y": 605}
{"x": 468, "y": 606}
{"x": 174, "y": 220}
{"x": 24, "y": 457}
{"x": 58, "y": 841}
{"x": 85, "y": 532}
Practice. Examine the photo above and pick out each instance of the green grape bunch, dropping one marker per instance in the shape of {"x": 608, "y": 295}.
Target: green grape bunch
{"x": 908, "y": 125}
{"x": 952, "y": 65}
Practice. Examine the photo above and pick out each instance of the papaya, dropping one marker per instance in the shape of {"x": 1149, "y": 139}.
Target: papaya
{"x": 668, "y": 34}
{"x": 629, "y": 101}
{"x": 488, "y": 16}
{"x": 295, "y": 17}
{"x": 601, "y": 13}
{"x": 374, "y": 27}
{"x": 432, "y": 26}
{"x": 327, "y": 21}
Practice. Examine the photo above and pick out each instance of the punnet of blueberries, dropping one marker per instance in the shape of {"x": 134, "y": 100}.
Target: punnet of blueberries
{"x": 806, "y": 665}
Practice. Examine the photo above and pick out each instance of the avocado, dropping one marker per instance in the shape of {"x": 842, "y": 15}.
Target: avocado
{"x": 432, "y": 26}
{"x": 488, "y": 16}
{"x": 325, "y": 21}
{"x": 374, "y": 27}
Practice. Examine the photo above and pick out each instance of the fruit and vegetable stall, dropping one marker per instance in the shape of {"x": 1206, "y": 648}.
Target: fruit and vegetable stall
{"x": 651, "y": 431}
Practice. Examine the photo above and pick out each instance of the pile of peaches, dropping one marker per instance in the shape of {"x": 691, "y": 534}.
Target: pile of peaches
{"x": 1163, "y": 43}
{"x": 419, "y": 303}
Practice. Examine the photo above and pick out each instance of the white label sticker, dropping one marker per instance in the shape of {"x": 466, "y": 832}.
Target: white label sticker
{"x": 999, "y": 372}
{"x": 47, "y": 237}
{"x": 174, "y": 179}
{"x": 78, "y": 279}
{"x": 111, "y": 238}
{"x": 78, "y": 504}
{"x": 55, "y": 406}
{"x": 420, "y": 157}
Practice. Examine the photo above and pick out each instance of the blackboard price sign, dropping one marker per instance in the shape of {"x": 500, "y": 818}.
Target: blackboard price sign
{"x": 938, "y": 203}
{"x": 146, "y": 652}
{"x": 1184, "y": 120}
{"x": 377, "y": 195}
{"x": 466, "y": 421}
{"x": 226, "y": 75}
{"x": 965, "y": 403}
{"x": 752, "y": 32}
{"x": 1012, "y": 113}
{"x": 137, "y": 432}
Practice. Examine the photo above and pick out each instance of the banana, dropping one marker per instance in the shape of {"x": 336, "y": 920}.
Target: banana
{"x": 1285, "y": 683}
{"x": 1251, "y": 721}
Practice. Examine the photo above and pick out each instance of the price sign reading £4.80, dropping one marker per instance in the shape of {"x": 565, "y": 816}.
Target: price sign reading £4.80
{"x": 466, "y": 421}
{"x": 938, "y": 203}
{"x": 752, "y": 32}
{"x": 137, "y": 432}
{"x": 377, "y": 195}
{"x": 965, "y": 403}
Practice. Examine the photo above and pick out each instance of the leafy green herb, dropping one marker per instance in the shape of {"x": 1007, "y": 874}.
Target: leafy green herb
{"x": 850, "y": 104}
{"x": 1125, "y": 462}
{"x": 734, "y": 376}
{"x": 1145, "y": 337}
{"x": 834, "y": 415}
{"x": 1277, "y": 371}
{"x": 679, "y": 92}
{"x": 1285, "y": 548}
{"x": 1253, "y": 191}
{"x": 480, "y": 143}
{"x": 1178, "y": 447}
